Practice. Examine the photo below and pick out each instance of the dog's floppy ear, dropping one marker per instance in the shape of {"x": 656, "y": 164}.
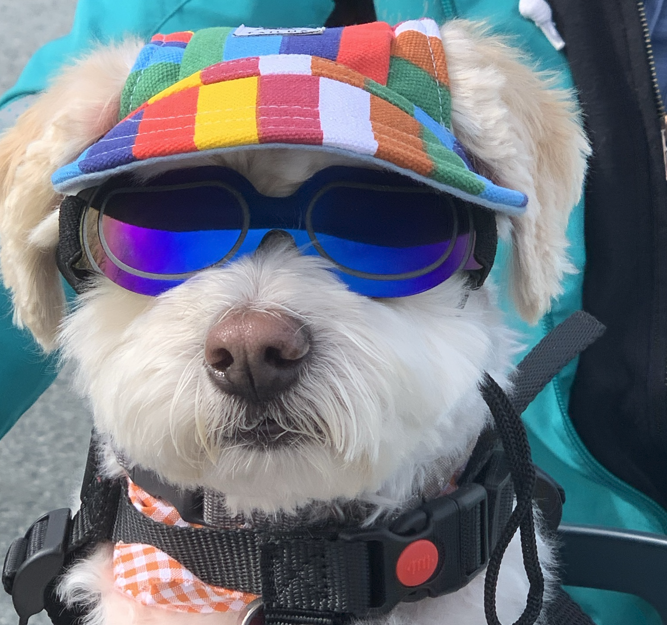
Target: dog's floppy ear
{"x": 80, "y": 106}
{"x": 521, "y": 133}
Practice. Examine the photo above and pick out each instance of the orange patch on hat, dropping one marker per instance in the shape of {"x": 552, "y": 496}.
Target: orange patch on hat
{"x": 399, "y": 137}
{"x": 425, "y": 52}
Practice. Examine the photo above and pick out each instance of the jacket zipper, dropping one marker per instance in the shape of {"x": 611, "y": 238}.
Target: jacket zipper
{"x": 660, "y": 105}
{"x": 662, "y": 114}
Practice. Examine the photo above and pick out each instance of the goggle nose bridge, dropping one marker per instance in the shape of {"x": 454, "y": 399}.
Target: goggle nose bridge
{"x": 277, "y": 236}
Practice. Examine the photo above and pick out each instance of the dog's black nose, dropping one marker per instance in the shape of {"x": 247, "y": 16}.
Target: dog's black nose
{"x": 256, "y": 355}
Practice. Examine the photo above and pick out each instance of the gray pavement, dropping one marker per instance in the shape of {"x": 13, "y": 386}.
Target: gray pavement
{"x": 42, "y": 457}
{"x": 26, "y": 25}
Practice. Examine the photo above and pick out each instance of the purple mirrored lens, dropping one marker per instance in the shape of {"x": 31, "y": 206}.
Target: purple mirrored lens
{"x": 164, "y": 252}
{"x": 169, "y": 231}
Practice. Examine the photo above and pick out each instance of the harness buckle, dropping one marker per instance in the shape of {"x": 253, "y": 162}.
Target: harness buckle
{"x": 433, "y": 550}
{"x": 34, "y": 561}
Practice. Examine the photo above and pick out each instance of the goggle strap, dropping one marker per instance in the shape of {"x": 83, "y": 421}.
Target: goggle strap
{"x": 486, "y": 243}
{"x": 69, "y": 252}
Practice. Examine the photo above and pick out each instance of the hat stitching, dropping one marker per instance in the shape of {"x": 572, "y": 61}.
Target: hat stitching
{"x": 236, "y": 108}
{"x": 437, "y": 78}
{"x": 221, "y": 121}
{"x": 136, "y": 82}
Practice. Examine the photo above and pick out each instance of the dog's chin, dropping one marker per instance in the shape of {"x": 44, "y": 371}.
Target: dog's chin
{"x": 273, "y": 476}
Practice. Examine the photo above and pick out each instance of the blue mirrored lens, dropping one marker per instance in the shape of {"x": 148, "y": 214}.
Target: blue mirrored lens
{"x": 382, "y": 231}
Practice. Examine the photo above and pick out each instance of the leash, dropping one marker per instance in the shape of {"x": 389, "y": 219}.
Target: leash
{"x": 332, "y": 574}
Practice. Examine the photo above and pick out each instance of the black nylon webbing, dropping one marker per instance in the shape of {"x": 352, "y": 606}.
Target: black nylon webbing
{"x": 69, "y": 252}
{"x": 229, "y": 559}
{"x": 308, "y": 573}
{"x": 299, "y": 617}
{"x": 316, "y": 575}
{"x": 566, "y": 341}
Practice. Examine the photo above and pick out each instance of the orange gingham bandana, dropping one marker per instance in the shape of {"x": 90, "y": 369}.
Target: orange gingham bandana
{"x": 153, "y": 578}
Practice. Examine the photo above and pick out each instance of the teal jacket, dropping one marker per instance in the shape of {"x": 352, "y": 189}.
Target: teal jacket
{"x": 594, "y": 496}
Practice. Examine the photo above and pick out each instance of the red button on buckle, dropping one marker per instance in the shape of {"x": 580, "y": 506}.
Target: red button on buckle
{"x": 417, "y": 563}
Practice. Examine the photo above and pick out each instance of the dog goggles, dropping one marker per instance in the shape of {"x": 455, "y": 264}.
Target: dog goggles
{"x": 384, "y": 234}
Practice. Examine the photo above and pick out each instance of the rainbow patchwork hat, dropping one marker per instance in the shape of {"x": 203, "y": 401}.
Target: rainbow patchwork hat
{"x": 377, "y": 92}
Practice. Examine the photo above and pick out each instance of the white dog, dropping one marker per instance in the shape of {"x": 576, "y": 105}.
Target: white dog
{"x": 388, "y": 385}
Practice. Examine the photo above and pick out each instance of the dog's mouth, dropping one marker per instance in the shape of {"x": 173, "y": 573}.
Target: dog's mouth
{"x": 270, "y": 425}
{"x": 266, "y": 426}
{"x": 267, "y": 433}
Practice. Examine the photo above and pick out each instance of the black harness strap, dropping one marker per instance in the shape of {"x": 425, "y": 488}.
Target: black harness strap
{"x": 346, "y": 573}
{"x": 534, "y": 372}
{"x": 515, "y": 443}
{"x": 188, "y": 546}
{"x": 566, "y": 341}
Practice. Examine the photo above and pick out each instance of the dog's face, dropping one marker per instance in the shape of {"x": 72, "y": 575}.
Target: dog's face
{"x": 267, "y": 378}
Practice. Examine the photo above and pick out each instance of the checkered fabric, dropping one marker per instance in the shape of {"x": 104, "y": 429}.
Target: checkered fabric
{"x": 379, "y": 92}
{"x": 153, "y": 578}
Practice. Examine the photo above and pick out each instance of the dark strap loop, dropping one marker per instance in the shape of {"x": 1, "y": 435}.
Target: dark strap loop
{"x": 515, "y": 443}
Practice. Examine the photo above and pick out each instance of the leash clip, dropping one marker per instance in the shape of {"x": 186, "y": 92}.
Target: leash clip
{"x": 34, "y": 561}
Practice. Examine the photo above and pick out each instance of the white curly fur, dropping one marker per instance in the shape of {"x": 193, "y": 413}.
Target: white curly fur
{"x": 391, "y": 385}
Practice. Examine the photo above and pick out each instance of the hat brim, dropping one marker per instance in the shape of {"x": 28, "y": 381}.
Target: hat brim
{"x": 86, "y": 181}
{"x": 208, "y": 113}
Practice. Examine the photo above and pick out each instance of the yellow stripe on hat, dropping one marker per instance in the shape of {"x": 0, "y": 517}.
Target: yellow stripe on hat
{"x": 186, "y": 83}
{"x": 226, "y": 114}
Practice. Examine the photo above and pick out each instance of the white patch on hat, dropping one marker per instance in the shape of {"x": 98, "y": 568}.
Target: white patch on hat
{"x": 249, "y": 31}
{"x": 285, "y": 64}
{"x": 426, "y": 26}
{"x": 345, "y": 117}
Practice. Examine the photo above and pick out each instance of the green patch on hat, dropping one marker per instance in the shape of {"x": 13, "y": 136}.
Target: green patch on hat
{"x": 420, "y": 87}
{"x": 390, "y": 96}
{"x": 143, "y": 84}
{"x": 204, "y": 49}
{"x": 448, "y": 167}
